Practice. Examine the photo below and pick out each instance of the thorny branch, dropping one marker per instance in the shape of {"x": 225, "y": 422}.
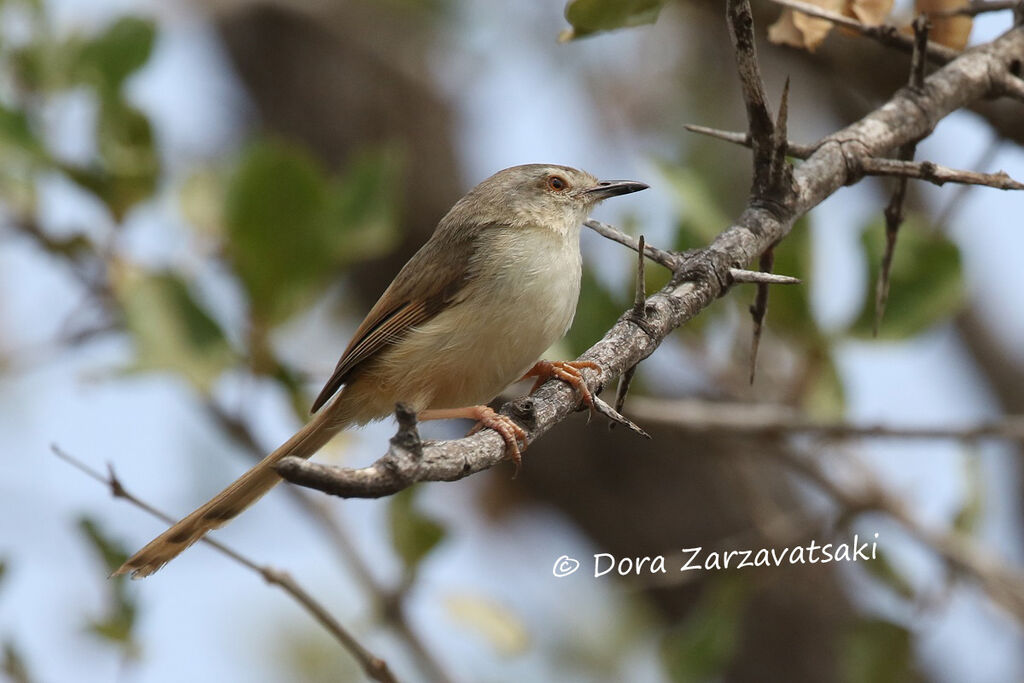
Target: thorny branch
{"x": 894, "y": 213}
{"x": 699, "y": 276}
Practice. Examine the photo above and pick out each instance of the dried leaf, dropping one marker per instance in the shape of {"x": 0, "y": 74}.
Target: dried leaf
{"x": 800, "y": 30}
{"x": 870, "y": 12}
{"x": 949, "y": 31}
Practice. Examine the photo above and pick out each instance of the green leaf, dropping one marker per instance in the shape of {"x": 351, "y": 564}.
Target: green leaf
{"x": 701, "y": 216}
{"x": 412, "y": 534}
{"x": 823, "y": 397}
{"x": 926, "y": 282}
{"x": 109, "y": 58}
{"x": 703, "y": 645}
{"x": 789, "y": 307}
{"x": 882, "y": 568}
{"x": 171, "y": 331}
{"x": 592, "y": 16}
{"x": 973, "y": 507}
{"x": 113, "y": 554}
{"x": 129, "y": 167}
{"x": 290, "y": 226}
{"x": 878, "y": 651}
{"x": 13, "y": 664}
{"x": 118, "y": 622}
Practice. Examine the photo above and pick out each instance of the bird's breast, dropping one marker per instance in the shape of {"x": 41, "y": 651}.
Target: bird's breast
{"x": 521, "y": 300}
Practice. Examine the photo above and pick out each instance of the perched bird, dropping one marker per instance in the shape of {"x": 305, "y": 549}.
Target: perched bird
{"x": 470, "y": 313}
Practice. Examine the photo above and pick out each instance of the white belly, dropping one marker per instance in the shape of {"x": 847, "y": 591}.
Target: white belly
{"x": 509, "y": 315}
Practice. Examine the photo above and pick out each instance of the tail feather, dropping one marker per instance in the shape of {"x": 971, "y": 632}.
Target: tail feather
{"x": 238, "y": 496}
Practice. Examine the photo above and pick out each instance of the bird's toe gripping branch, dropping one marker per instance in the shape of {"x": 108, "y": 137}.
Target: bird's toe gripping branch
{"x": 567, "y": 371}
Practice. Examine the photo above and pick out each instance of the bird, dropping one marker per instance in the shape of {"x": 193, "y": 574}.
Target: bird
{"x": 470, "y": 313}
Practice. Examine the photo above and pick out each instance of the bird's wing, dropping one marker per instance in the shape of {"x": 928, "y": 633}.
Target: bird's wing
{"x": 431, "y": 280}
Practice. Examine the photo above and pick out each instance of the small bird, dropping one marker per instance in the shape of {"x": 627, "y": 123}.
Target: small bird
{"x": 470, "y": 313}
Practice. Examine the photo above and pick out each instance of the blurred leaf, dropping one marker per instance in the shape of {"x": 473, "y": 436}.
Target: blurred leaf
{"x": 882, "y": 568}
{"x": 13, "y": 665}
{"x": 878, "y": 651}
{"x": 109, "y": 58}
{"x": 949, "y": 31}
{"x": 302, "y": 653}
{"x": 171, "y": 331}
{"x": 596, "y": 310}
{"x": 705, "y": 642}
{"x": 201, "y": 198}
{"x": 701, "y": 217}
{"x": 16, "y": 132}
{"x": 129, "y": 167}
{"x": 290, "y": 226}
{"x": 871, "y": 12}
{"x": 824, "y": 397}
{"x": 112, "y": 554}
{"x": 973, "y": 507}
{"x": 926, "y": 284}
{"x": 789, "y": 308}
{"x": 800, "y": 30}
{"x": 3, "y": 570}
{"x": 496, "y": 623}
{"x": 412, "y": 534}
{"x": 118, "y": 623}
{"x": 592, "y": 16}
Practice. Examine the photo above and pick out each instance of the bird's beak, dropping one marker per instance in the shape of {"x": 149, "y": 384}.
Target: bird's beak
{"x": 612, "y": 188}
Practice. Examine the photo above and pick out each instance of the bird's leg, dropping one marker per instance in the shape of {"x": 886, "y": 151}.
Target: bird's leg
{"x": 485, "y": 418}
{"x": 567, "y": 371}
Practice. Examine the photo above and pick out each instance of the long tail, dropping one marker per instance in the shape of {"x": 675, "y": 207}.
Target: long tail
{"x": 239, "y": 495}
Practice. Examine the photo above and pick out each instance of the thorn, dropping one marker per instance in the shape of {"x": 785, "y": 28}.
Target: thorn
{"x": 759, "y": 309}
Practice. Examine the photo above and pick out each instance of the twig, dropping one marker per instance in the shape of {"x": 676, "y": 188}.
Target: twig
{"x": 880, "y": 166}
{"x": 974, "y": 8}
{"x": 639, "y": 302}
{"x": 660, "y": 256}
{"x": 793, "y": 149}
{"x": 894, "y": 211}
{"x": 389, "y": 603}
{"x": 938, "y": 175}
{"x": 374, "y": 667}
{"x": 760, "y": 419}
{"x": 1004, "y": 586}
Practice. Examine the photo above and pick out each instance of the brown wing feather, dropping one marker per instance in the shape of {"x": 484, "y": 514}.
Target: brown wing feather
{"x": 415, "y": 296}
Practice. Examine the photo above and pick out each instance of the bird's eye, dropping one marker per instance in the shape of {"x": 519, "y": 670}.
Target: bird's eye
{"x": 557, "y": 183}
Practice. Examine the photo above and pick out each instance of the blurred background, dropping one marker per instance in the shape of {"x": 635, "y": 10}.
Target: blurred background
{"x": 200, "y": 201}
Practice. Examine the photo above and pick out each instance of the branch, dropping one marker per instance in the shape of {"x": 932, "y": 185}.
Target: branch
{"x": 761, "y": 419}
{"x": 1004, "y": 586}
{"x": 699, "y": 277}
{"x": 938, "y": 175}
{"x": 974, "y": 8}
{"x": 373, "y": 666}
{"x": 876, "y": 166}
{"x": 894, "y": 212}
{"x": 389, "y": 603}
{"x": 793, "y": 149}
